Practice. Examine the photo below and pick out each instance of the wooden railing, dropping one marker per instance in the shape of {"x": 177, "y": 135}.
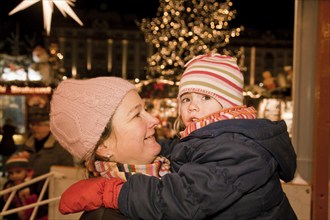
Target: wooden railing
{"x": 13, "y": 190}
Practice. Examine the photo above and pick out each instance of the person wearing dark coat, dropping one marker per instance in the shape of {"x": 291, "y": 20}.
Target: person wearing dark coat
{"x": 226, "y": 165}
{"x": 44, "y": 152}
{"x": 7, "y": 143}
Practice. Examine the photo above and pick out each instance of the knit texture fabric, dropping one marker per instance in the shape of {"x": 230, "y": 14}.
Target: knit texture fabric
{"x": 18, "y": 160}
{"x": 80, "y": 110}
{"x": 238, "y": 112}
{"x": 159, "y": 167}
{"x": 215, "y": 75}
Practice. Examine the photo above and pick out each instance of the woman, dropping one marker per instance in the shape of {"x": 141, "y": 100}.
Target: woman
{"x": 103, "y": 122}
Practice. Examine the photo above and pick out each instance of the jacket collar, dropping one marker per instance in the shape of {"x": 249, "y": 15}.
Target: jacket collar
{"x": 48, "y": 144}
{"x": 237, "y": 112}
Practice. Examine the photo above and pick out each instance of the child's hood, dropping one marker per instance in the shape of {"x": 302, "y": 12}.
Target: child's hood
{"x": 271, "y": 135}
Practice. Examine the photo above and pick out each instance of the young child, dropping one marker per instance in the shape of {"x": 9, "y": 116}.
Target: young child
{"x": 19, "y": 171}
{"x": 226, "y": 164}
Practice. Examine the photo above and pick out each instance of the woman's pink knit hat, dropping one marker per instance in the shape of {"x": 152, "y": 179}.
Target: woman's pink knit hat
{"x": 215, "y": 75}
{"x": 80, "y": 110}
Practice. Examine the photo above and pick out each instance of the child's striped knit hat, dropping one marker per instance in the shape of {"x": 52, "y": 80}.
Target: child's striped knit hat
{"x": 215, "y": 75}
{"x": 18, "y": 160}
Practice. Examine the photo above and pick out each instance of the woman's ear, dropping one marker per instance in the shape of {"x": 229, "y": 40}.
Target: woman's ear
{"x": 102, "y": 150}
{"x": 105, "y": 149}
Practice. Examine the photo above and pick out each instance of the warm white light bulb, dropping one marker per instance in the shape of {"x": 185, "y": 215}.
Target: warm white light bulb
{"x": 47, "y": 7}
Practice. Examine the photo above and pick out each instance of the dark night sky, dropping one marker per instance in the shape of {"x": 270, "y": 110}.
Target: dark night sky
{"x": 257, "y": 14}
{"x": 260, "y": 14}
{"x": 265, "y": 14}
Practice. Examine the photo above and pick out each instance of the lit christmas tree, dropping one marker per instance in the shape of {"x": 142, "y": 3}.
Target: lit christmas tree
{"x": 183, "y": 29}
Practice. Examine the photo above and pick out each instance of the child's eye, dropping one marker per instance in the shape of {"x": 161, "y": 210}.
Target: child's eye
{"x": 184, "y": 100}
{"x": 206, "y": 97}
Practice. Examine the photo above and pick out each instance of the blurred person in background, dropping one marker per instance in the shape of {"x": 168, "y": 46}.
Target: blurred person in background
{"x": 44, "y": 150}
{"x": 19, "y": 171}
{"x": 7, "y": 144}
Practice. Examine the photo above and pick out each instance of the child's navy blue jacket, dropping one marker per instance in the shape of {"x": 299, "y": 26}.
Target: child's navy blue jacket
{"x": 229, "y": 169}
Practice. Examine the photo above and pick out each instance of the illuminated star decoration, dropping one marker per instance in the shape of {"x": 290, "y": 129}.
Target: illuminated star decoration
{"x": 48, "y": 6}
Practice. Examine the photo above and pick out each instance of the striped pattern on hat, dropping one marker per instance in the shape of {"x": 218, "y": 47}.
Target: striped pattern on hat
{"x": 18, "y": 160}
{"x": 215, "y": 75}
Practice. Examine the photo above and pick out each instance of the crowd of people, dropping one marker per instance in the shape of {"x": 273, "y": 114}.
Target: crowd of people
{"x": 223, "y": 162}
{"x": 34, "y": 158}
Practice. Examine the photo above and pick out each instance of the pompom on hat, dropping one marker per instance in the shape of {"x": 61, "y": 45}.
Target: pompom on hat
{"x": 81, "y": 109}
{"x": 215, "y": 75}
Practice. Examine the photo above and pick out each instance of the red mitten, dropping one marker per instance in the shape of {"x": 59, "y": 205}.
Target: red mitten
{"x": 111, "y": 192}
{"x": 90, "y": 194}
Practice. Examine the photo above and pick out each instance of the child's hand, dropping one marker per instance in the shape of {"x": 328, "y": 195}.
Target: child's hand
{"x": 24, "y": 194}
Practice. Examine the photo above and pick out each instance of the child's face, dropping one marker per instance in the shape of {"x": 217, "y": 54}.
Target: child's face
{"x": 17, "y": 174}
{"x": 195, "y": 105}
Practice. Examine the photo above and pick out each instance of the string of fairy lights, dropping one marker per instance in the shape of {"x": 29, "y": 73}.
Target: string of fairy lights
{"x": 183, "y": 29}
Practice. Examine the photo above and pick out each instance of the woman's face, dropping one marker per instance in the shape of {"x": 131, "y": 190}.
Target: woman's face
{"x": 196, "y": 105}
{"x": 132, "y": 140}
